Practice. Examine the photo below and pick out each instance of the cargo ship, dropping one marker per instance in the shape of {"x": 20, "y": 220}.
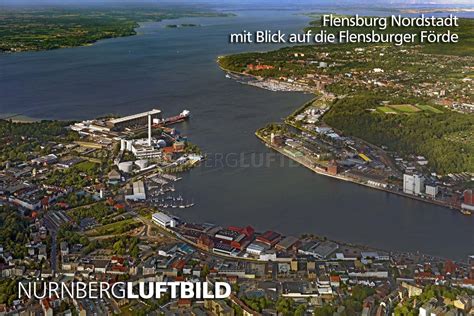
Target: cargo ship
{"x": 176, "y": 119}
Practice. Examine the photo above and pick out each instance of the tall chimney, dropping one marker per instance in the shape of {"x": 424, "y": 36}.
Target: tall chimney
{"x": 149, "y": 129}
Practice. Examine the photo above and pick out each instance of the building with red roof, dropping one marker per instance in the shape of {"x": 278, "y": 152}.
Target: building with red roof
{"x": 270, "y": 238}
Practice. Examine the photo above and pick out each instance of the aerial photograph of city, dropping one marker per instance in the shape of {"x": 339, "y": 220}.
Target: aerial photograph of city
{"x": 226, "y": 157}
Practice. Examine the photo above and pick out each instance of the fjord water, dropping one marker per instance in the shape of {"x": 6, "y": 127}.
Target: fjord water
{"x": 243, "y": 182}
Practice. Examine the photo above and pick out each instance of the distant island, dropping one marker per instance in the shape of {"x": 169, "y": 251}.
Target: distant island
{"x": 182, "y": 25}
{"x": 53, "y": 28}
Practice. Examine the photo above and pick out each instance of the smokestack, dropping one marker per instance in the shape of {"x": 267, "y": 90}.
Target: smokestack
{"x": 149, "y": 129}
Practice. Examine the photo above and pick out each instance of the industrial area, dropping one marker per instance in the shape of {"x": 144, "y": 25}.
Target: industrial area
{"x": 149, "y": 151}
{"x": 305, "y": 138}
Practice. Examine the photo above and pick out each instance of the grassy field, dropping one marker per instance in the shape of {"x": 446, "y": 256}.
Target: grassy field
{"x": 86, "y": 166}
{"x": 115, "y": 228}
{"x": 406, "y": 108}
{"x": 386, "y": 110}
{"x": 429, "y": 108}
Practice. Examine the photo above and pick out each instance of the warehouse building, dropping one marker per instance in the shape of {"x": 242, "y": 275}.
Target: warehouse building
{"x": 319, "y": 250}
{"x": 163, "y": 220}
{"x": 287, "y": 243}
{"x": 135, "y": 119}
{"x": 256, "y": 249}
{"x": 225, "y": 249}
{"x": 137, "y": 192}
{"x": 269, "y": 238}
{"x": 431, "y": 191}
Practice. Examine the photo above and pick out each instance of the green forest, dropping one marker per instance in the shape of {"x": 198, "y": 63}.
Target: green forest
{"x": 15, "y": 148}
{"x": 437, "y": 136}
{"x": 14, "y": 233}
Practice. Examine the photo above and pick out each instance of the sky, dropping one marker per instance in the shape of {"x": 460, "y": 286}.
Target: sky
{"x": 281, "y": 3}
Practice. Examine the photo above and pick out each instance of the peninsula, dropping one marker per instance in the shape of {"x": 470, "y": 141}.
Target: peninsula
{"x": 52, "y": 28}
{"x": 396, "y": 118}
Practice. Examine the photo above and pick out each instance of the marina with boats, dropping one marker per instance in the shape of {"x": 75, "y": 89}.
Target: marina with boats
{"x": 163, "y": 193}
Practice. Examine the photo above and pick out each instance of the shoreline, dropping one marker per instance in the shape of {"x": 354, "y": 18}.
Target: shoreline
{"x": 264, "y": 83}
{"x": 87, "y": 44}
{"x": 350, "y": 180}
{"x": 20, "y": 118}
{"x": 133, "y": 32}
{"x": 174, "y": 234}
{"x": 318, "y": 170}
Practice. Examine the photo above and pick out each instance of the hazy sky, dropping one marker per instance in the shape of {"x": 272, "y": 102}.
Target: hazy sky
{"x": 259, "y": 4}
{"x": 222, "y": 3}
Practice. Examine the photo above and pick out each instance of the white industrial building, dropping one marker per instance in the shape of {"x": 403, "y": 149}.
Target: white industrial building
{"x": 431, "y": 190}
{"x": 138, "y": 192}
{"x": 268, "y": 256}
{"x": 136, "y": 119}
{"x": 89, "y": 127}
{"x": 255, "y": 249}
{"x": 146, "y": 147}
{"x": 141, "y": 148}
{"x": 163, "y": 220}
{"x": 413, "y": 184}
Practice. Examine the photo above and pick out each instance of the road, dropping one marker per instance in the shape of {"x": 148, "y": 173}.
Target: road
{"x": 54, "y": 247}
{"x": 53, "y": 254}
